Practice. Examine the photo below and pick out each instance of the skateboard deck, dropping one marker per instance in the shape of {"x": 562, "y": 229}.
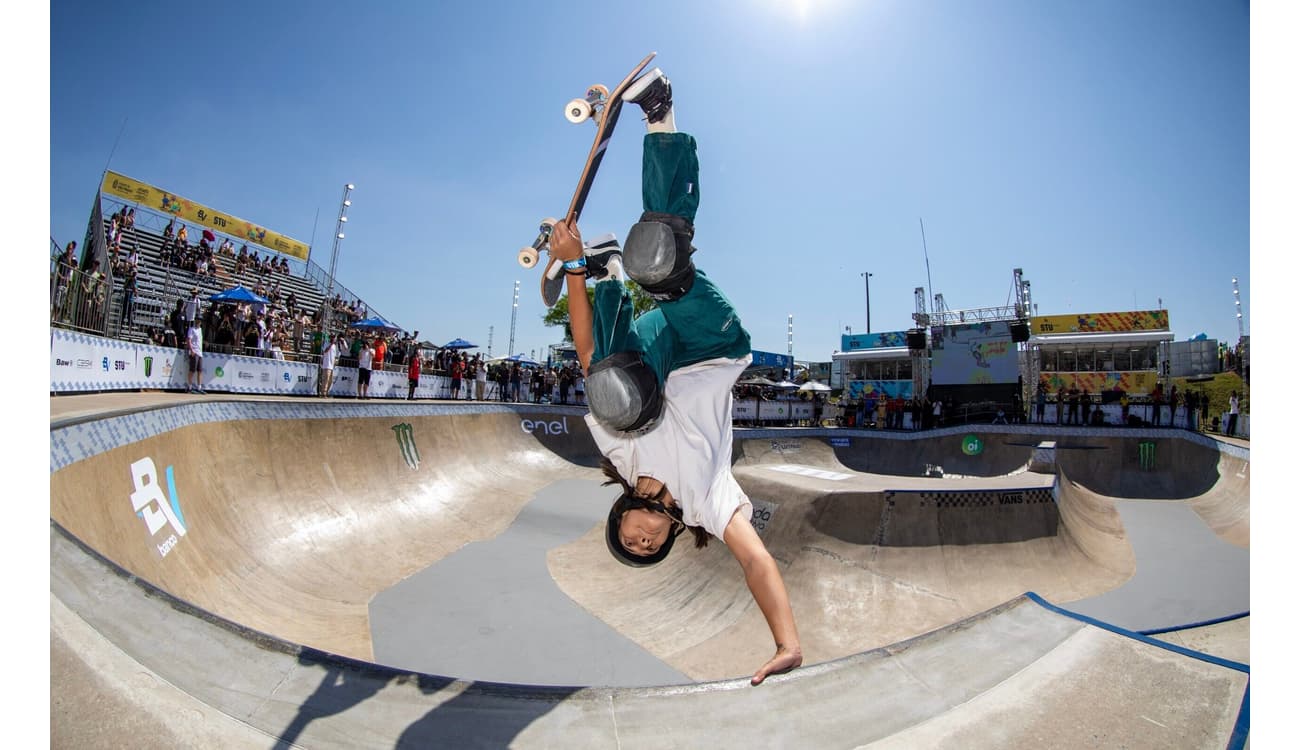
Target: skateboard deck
{"x": 603, "y": 106}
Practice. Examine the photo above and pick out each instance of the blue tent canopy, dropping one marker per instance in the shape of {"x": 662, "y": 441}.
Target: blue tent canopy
{"x": 376, "y": 323}
{"x": 459, "y": 344}
{"x": 237, "y": 294}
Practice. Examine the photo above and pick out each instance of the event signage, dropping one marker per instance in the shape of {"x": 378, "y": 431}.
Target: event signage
{"x": 1107, "y": 322}
{"x": 859, "y": 389}
{"x": 1132, "y": 382}
{"x": 198, "y": 214}
{"x": 884, "y": 340}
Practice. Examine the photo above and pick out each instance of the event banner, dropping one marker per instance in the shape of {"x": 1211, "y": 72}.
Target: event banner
{"x": 973, "y": 354}
{"x": 1110, "y": 322}
{"x": 858, "y": 389}
{"x": 771, "y": 359}
{"x": 80, "y": 362}
{"x": 199, "y": 215}
{"x": 1134, "y": 383}
{"x": 884, "y": 340}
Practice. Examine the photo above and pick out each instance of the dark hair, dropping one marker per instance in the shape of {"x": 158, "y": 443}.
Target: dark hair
{"x": 627, "y": 501}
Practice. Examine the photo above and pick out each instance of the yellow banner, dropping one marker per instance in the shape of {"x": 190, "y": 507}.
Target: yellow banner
{"x": 1111, "y": 322}
{"x": 1132, "y": 382}
{"x": 200, "y": 215}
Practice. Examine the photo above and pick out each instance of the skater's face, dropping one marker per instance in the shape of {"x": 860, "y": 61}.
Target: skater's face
{"x": 643, "y": 532}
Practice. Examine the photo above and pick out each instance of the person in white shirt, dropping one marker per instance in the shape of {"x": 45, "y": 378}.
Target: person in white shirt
{"x": 364, "y": 359}
{"x": 329, "y": 356}
{"x": 194, "y": 350}
{"x": 659, "y": 387}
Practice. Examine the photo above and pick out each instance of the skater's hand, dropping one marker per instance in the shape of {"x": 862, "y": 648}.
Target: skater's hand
{"x": 786, "y": 659}
{"x": 566, "y": 240}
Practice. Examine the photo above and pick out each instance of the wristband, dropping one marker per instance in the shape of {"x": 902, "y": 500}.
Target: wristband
{"x": 575, "y": 266}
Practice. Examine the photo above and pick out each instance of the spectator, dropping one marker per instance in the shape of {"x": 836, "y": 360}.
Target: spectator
{"x": 381, "y": 350}
{"x": 413, "y": 377}
{"x": 190, "y": 312}
{"x": 66, "y": 267}
{"x": 194, "y": 348}
{"x": 458, "y": 374}
{"x": 1234, "y": 408}
{"x": 480, "y": 379}
{"x": 1098, "y": 418}
{"x": 127, "y": 316}
{"x": 1123, "y": 408}
{"x": 365, "y": 358}
{"x": 1205, "y": 410}
{"x": 516, "y": 379}
{"x": 1040, "y": 402}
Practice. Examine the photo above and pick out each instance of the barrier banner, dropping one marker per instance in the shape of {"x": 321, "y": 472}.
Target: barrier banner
{"x": 773, "y": 410}
{"x": 801, "y": 410}
{"x": 859, "y": 341}
{"x": 82, "y": 362}
{"x": 1133, "y": 382}
{"x": 746, "y": 409}
{"x": 973, "y": 354}
{"x": 199, "y": 215}
{"x": 1107, "y": 322}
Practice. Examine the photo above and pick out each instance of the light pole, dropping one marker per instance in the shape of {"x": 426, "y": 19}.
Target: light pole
{"x": 789, "y": 342}
{"x": 334, "y": 258}
{"x": 514, "y": 311}
{"x": 867, "y": 277}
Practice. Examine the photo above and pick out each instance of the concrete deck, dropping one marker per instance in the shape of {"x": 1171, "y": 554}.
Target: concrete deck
{"x": 311, "y": 528}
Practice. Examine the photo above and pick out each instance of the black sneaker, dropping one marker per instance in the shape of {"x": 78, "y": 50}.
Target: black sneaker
{"x": 604, "y": 258}
{"x": 653, "y": 93}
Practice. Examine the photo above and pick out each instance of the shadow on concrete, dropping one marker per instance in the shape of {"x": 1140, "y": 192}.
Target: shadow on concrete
{"x": 455, "y": 722}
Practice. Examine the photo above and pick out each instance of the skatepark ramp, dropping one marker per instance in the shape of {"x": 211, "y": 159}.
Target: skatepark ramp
{"x": 277, "y": 573}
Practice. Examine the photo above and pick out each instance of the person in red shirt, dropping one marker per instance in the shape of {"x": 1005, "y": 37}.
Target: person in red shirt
{"x": 457, "y": 372}
{"x": 413, "y": 376}
{"x": 381, "y": 351}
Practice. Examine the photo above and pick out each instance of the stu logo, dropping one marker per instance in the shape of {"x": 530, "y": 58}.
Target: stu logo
{"x": 157, "y": 509}
{"x": 406, "y": 442}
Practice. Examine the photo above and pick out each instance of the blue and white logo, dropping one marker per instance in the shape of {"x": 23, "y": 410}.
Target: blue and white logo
{"x": 157, "y": 510}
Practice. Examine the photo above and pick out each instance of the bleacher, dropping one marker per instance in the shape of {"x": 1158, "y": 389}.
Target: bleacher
{"x": 158, "y": 286}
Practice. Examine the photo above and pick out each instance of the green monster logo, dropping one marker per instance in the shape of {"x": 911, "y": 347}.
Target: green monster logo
{"x": 219, "y": 372}
{"x": 406, "y": 443}
{"x": 972, "y": 445}
{"x": 1147, "y": 455}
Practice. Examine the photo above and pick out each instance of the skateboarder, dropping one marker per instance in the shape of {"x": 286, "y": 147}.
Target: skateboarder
{"x": 659, "y": 387}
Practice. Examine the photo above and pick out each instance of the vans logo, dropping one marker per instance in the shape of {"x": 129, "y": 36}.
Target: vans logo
{"x": 157, "y": 509}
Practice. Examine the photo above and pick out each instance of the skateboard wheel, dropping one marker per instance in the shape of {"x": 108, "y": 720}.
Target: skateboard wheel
{"x": 577, "y": 111}
{"x": 597, "y": 93}
{"x": 528, "y": 257}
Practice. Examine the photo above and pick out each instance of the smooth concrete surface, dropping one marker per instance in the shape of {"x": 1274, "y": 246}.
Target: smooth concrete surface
{"x": 301, "y": 550}
{"x": 490, "y": 611}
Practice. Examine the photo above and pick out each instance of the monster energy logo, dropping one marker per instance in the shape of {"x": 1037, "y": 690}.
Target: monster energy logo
{"x": 406, "y": 442}
{"x": 1147, "y": 455}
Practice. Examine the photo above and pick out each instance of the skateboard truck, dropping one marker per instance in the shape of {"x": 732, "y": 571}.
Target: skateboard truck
{"x": 582, "y": 109}
{"x": 529, "y": 256}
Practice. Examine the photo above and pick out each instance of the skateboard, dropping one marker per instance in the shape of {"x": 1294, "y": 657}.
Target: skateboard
{"x": 602, "y": 106}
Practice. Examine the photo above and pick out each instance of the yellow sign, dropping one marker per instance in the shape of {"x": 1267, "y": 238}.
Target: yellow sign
{"x": 1111, "y": 322}
{"x": 1132, "y": 382}
{"x": 200, "y": 215}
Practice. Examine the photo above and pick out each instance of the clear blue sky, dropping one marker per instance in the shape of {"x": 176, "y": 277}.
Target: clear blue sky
{"x": 1103, "y": 147}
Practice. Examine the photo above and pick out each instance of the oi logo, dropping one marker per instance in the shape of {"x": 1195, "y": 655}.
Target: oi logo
{"x": 157, "y": 510}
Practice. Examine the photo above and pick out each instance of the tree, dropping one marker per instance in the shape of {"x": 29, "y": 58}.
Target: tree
{"x": 559, "y": 314}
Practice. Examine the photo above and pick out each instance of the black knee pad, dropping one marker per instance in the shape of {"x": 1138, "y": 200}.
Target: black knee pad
{"x": 623, "y": 392}
{"x": 657, "y": 255}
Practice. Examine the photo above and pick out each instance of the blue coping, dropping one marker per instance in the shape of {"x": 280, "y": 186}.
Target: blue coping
{"x": 1240, "y": 730}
